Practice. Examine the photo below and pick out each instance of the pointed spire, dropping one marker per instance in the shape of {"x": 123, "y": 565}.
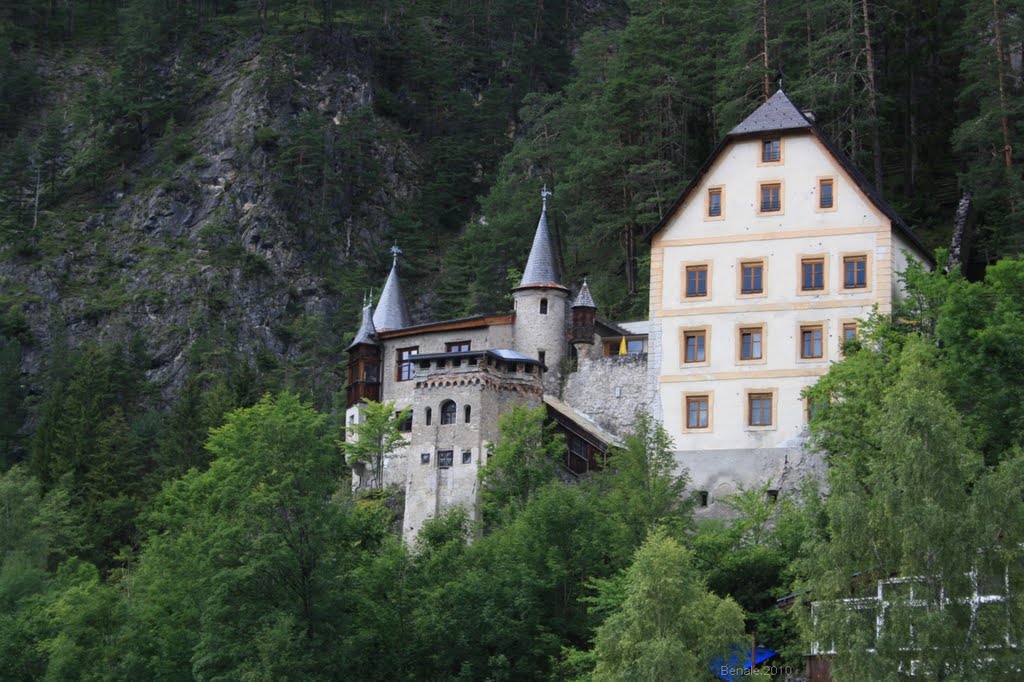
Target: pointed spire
{"x": 584, "y": 299}
{"x": 367, "y": 332}
{"x": 541, "y": 266}
{"x": 391, "y": 312}
{"x": 778, "y": 113}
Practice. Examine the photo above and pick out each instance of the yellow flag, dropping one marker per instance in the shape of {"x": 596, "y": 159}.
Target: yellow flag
{"x": 622, "y": 346}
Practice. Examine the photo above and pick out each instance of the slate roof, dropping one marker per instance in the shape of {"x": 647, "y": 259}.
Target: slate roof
{"x": 391, "y": 312}
{"x": 779, "y": 114}
{"x": 367, "y": 332}
{"x": 582, "y": 420}
{"x": 584, "y": 299}
{"x": 541, "y": 266}
{"x": 497, "y": 353}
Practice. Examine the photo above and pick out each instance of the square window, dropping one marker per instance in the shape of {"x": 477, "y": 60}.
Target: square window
{"x": 855, "y": 272}
{"x": 406, "y": 424}
{"x": 752, "y": 278}
{"x": 696, "y": 349}
{"x": 444, "y": 458}
{"x": 751, "y": 347}
{"x": 825, "y": 193}
{"x": 771, "y": 197}
{"x": 456, "y": 347}
{"x": 771, "y": 150}
{"x": 467, "y": 456}
{"x": 696, "y": 281}
{"x": 812, "y": 274}
{"x": 697, "y": 412}
{"x": 425, "y": 458}
{"x": 849, "y": 331}
{"x": 715, "y": 202}
{"x": 760, "y": 409}
{"x": 406, "y": 369}
{"x": 811, "y": 346}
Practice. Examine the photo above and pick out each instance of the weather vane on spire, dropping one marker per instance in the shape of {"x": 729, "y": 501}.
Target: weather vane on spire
{"x": 544, "y": 194}
{"x": 395, "y": 251}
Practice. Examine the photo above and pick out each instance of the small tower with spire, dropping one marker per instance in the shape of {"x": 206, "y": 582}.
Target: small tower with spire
{"x": 584, "y": 312}
{"x": 364, "y": 358}
{"x": 391, "y": 312}
{"x": 541, "y": 304}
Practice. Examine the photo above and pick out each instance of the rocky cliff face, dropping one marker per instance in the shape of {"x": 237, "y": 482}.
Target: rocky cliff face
{"x": 205, "y": 262}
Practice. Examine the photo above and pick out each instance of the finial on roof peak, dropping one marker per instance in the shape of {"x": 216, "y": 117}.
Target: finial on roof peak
{"x": 391, "y": 311}
{"x": 544, "y": 194}
{"x": 584, "y": 299}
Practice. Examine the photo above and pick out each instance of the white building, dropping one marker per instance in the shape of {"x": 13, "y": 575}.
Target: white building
{"x": 764, "y": 265}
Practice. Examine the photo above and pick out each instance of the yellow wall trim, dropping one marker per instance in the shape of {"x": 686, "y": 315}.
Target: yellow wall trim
{"x": 755, "y": 307}
{"x": 797, "y": 373}
{"x": 778, "y": 234}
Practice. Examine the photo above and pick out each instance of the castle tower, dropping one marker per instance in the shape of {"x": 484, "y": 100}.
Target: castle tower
{"x": 584, "y": 311}
{"x": 364, "y": 356}
{"x": 391, "y": 312}
{"x": 541, "y": 304}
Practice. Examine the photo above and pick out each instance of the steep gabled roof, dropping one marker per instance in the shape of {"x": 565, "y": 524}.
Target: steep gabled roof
{"x": 779, "y": 114}
{"x": 391, "y": 312}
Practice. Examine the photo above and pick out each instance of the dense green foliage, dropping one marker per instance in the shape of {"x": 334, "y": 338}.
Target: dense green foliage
{"x": 926, "y": 485}
{"x": 258, "y": 560}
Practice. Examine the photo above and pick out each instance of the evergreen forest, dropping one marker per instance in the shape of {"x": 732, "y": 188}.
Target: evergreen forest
{"x": 196, "y": 196}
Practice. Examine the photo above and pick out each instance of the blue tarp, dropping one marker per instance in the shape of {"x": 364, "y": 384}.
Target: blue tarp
{"x": 731, "y": 668}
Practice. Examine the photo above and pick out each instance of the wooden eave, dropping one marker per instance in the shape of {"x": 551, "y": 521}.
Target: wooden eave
{"x": 477, "y": 322}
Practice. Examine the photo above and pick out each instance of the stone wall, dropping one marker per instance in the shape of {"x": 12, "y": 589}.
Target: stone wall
{"x": 489, "y": 390}
{"x": 721, "y": 472}
{"x": 609, "y": 390}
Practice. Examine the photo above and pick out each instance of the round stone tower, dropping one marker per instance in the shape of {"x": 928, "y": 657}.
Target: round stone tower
{"x": 542, "y": 306}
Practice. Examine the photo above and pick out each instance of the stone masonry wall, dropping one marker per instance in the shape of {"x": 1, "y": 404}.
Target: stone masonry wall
{"x": 609, "y": 390}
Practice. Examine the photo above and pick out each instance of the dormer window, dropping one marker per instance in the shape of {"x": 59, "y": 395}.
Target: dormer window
{"x": 543, "y": 306}
{"x": 771, "y": 150}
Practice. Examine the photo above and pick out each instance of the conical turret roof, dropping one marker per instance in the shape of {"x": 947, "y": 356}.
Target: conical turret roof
{"x": 367, "y": 332}
{"x": 391, "y": 311}
{"x": 541, "y": 266}
{"x": 584, "y": 299}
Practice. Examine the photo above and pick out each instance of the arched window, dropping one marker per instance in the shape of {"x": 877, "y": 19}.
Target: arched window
{"x": 426, "y": 416}
{"x": 466, "y": 410}
{"x": 543, "y": 306}
{"x": 448, "y": 411}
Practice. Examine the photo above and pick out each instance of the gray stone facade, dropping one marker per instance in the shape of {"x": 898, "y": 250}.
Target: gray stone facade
{"x": 609, "y": 390}
{"x": 481, "y": 389}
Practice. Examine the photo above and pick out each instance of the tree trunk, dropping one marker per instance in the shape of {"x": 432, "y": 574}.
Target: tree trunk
{"x": 35, "y": 210}
{"x": 876, "y": 142}
{"x": 1004, "y": 121}
{"x": 764, "y": 49}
